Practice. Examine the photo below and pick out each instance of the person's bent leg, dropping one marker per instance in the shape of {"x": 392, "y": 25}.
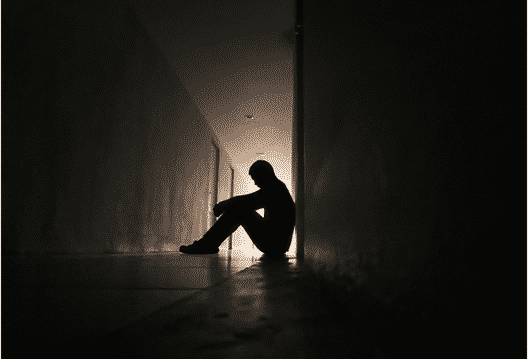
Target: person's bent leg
{"x": 227, "y": 223}
{"x": 268, "y": 240}
{"x": 253, "y": 224}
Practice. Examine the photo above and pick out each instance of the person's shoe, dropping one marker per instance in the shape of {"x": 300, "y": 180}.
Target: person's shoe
{"x": 198, "y": 248}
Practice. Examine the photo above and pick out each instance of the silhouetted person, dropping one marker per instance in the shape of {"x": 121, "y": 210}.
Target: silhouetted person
{"x": 271, "y": 234}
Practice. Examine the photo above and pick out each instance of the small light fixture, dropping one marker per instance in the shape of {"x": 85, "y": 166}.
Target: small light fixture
{"x": 250, "y": 117}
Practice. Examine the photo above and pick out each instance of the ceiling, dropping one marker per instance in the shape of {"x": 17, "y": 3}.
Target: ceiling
{"x": 236, "y": 59}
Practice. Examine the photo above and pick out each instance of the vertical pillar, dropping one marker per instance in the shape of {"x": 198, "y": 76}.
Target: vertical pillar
{"x": 298, "y": 128}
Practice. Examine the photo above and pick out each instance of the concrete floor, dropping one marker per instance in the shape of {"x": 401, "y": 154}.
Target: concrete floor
{"x": 50, "y": 300}
{"x": 171, "y": 305}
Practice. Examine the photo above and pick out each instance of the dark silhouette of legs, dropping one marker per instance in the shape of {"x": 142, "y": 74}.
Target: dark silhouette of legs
{"x": 228, "y": 222}
{"x": 255, "y": 226}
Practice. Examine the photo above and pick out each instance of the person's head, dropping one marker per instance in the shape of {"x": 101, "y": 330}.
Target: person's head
{"x": 262, "y": 173}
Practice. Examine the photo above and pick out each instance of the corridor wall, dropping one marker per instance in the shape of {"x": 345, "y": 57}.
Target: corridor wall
{"x": 408, "y": 120}
{"x": 103, "y": 150}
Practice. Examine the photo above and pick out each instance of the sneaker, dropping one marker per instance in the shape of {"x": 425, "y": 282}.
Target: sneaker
{"x": 197, "y": 248}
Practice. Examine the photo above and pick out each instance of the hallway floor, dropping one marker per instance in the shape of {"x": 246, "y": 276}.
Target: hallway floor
{"x": 49, "y": 300}
{"x": 170, "y": 305}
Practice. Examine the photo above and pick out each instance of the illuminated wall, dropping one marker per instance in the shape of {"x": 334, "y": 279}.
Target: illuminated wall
{"x": 103, "y": 148}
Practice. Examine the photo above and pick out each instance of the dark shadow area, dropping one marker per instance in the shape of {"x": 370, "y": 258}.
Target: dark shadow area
{"x": 415, "y": 154}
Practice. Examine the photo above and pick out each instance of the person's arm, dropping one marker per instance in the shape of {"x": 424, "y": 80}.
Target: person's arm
{"x": 252, "y": 200}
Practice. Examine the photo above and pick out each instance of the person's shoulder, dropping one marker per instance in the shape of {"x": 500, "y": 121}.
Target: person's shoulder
{"x": 280, "y": 184}
{"x": 283, "y": 188}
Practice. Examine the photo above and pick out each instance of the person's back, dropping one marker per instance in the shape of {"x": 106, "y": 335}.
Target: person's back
{"x": 279, "y": 211}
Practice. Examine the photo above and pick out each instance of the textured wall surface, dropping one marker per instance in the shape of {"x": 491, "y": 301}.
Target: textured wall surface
{"x": 408, "y": 120}
{"x": 103, "y": 149}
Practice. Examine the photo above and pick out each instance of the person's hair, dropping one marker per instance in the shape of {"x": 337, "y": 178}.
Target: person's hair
{"x": 262, "y": 169}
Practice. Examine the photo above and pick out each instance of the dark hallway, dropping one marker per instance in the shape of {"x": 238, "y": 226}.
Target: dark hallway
{"x": 393, "y": 125}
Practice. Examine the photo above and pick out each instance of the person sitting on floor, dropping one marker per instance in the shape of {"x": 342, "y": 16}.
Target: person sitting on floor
{"x": 271, "y": 234}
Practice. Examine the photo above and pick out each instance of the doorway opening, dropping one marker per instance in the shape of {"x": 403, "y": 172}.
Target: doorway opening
{"x": 231, "y": 196}
{"x": 213, "y": 184}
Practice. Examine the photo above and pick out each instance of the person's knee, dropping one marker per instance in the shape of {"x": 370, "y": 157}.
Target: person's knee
{"x": 238, "y": 211}
{"x": 235, "y": 207}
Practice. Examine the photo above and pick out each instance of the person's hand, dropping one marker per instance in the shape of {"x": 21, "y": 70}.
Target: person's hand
{"x": 218, "y": 209}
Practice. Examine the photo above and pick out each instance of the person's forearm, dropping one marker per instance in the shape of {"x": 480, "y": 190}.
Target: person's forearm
{"x": 222, "y": 206}
{"x": 234, "y": 200}
{"x": 237, "y": 200}
{"x": 251, "y": 200}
